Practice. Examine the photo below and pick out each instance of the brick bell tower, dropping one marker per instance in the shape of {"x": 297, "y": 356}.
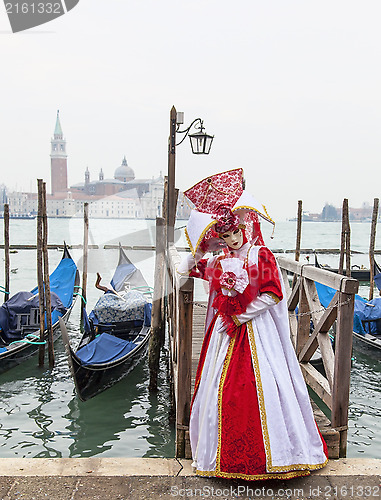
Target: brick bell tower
{"x": 58, "y": 160}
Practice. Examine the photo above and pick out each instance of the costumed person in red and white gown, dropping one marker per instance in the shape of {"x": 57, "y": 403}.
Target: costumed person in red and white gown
{"x": 251, "y": 416}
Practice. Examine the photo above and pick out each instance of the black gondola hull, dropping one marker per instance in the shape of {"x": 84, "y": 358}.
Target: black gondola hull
{"x": 356, "y": 273}
{"x": 10, "y": 359}
{"x": 370, "y": 340}
{"x": 91, "y": 380}
{"x": 21, "y": 351}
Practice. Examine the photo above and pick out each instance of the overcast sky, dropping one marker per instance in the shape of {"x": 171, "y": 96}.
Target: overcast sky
{"x": 290, "y": 89}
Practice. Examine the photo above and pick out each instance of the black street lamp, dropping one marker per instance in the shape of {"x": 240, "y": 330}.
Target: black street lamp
{"x": 201, "y": 143}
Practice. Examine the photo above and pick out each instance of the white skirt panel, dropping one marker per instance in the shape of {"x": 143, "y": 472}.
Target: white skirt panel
{"x": 290, "y": 433}
{"x": 203, "y": 427}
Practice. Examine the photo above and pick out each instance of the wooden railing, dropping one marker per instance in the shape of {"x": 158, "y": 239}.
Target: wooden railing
{"x": 331, "y": 388}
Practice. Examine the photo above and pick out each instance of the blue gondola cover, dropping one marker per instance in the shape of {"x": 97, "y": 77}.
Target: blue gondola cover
{"x": 62, "y": 281}
{"x": 104, "y": 349}
{"x": 22, "y": 303}
{"x": 121, "y": 275}
{"x": 365, "y": 310}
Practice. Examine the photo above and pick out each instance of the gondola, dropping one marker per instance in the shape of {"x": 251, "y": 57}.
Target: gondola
{"x": 356, "y": 272}
{"x": 20, "y": 314}
{"x": 116, "y": 334}
{"x": 366, "y": 319}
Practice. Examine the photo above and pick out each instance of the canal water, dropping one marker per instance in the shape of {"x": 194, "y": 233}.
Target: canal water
{"x": 40, "y": 415}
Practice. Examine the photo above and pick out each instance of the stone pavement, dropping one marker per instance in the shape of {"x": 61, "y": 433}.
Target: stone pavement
{"x": 151, "y": 478}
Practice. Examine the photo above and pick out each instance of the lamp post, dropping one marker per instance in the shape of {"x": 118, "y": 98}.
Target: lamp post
{"x": 200, "y": 144}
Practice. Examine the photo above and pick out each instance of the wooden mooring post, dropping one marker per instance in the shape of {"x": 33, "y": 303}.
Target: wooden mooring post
{"x": 332, "y": 389}
{"x": 171, "y": 199}
{"x": 43, "y": 279}
{"x": 85, "y": 259}
{"x": 345, "y": 252}
{"x": 298, "y": 238}
{"x": 40, "y": 273}
{"x": 6, "y": 252}
{"x": 47, "y": 296}
{"x": 157, "y": 320}
{"x": 299, "y": 230}
{"x": 372, "y": 245}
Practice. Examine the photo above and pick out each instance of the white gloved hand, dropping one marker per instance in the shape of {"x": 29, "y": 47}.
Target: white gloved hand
{"x": 186, "y": 264}
{"x": 189, "y": 262}
{"x": 257, "y": 307}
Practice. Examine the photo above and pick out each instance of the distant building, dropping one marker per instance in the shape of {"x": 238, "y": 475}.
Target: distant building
{"x": 334, "y": 214}
{"x": 330, "y": 213}
{"x": 3, "y": 195}
{"x": 122, "y": 196}
{"x": 58, "y": 160}
{"x": 123, "y": 180}
{"x": 361, "y": 214}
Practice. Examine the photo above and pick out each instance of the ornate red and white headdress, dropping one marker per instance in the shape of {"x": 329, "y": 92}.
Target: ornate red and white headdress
{"x": 219, "y": 189}
{"x": 221, "y": 204}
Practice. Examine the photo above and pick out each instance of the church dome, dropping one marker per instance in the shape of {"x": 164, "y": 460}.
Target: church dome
{"x": 124, "y": 173}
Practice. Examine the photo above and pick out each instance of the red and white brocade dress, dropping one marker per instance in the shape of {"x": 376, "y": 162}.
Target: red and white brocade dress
{"x": 251, "y": 416}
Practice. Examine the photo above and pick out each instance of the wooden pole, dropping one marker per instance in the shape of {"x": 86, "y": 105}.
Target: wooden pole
{"x": 171, "y": 214}
{"x": 347, "y": 243}
{"x": 85, "y": 257}
{"x": 157, "y": 321}
{"x": 298, "y": 231}
{"x": 298, "y": 238}
{"x": 165, "y": 206}
{"x": 165, "y": 233}
{"x": 48, "y": 302}
{"x": 371, "y": 246}
{"x": 174, "y": 218}
{"x": 6, "y": 250}
{"x": 342, "y": 243}
{"x": 40, "y": 278}
{"x": 345, "y": 251}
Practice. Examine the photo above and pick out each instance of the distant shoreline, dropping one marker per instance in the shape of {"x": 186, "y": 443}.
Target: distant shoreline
{"x": 366, "y": 221}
